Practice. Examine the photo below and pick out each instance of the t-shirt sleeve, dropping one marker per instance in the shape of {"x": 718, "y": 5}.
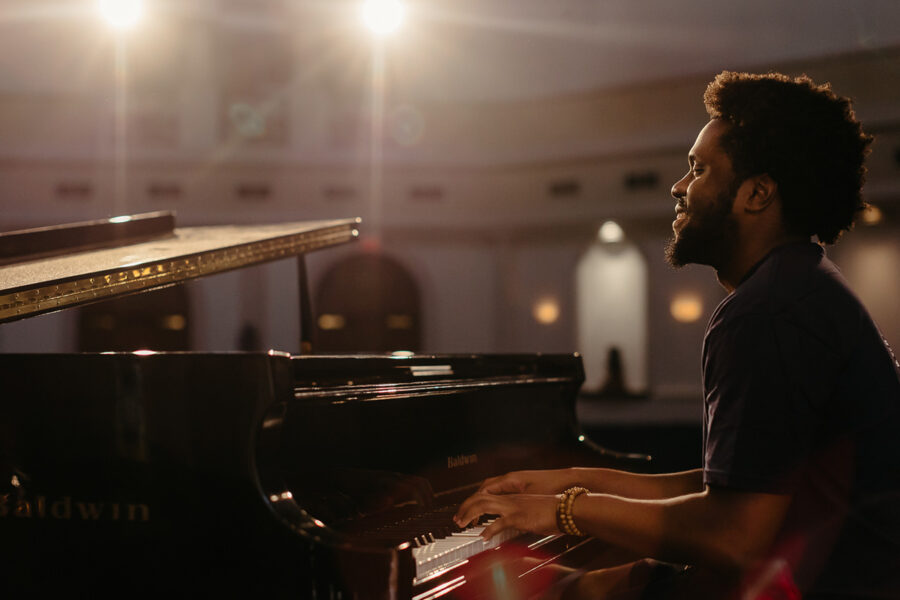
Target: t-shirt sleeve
{"x": 761, "y": 415}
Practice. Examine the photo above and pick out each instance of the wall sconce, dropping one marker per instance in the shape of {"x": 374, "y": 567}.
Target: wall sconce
{"x": 546, "y": 311}
{"x": 686, "y": 308}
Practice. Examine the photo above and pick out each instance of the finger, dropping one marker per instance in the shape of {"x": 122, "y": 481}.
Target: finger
{"x": 475, "y": 499}
{"x": 474, "y": 507}
{"x": 489, "y": 482}
{"x": 464, "y": 508}
{"x": 494, "y": 528}
{"x": 468, "y": 512}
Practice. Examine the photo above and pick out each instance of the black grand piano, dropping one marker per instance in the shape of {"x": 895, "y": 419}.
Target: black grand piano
{"x": 259, "y": 474}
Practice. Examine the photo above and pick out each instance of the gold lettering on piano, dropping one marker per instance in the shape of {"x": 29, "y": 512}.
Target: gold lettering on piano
{"x": 67, "y": 509}
{"x": 461, "y": 460}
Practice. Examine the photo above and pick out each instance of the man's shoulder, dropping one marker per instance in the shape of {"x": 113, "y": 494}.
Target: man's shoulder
{"x": 792, "y": 279}
{"x": 797, "y": 297}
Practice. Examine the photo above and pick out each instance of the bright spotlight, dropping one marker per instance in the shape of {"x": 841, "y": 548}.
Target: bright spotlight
{"x": 382, "y": 16}
{"x": 121, "y": 14}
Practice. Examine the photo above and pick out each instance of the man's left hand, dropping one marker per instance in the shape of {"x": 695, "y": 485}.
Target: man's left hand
{"x": 535, "y": 513}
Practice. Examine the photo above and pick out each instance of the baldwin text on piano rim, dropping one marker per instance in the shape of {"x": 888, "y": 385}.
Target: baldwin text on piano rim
{"x": 67, "y": 509}
{"x": 461, "y": 460}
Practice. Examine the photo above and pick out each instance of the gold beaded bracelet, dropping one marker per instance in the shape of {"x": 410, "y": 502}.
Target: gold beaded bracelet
{"x": 564, "y": 521}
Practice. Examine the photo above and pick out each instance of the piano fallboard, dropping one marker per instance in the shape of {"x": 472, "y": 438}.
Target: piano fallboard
{"x": 316, "y": 476}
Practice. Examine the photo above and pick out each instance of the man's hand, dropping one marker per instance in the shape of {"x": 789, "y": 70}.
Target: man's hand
{"x": 526, "y": 512}
{"x": 529, "y": 482}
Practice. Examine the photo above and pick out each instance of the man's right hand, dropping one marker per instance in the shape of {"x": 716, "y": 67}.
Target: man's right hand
{"x": 552, "y": 481}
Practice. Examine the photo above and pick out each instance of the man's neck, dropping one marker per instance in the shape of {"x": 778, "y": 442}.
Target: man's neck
{"x": 748, "y": 255}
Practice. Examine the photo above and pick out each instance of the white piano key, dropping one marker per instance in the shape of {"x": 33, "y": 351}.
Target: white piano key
{"x": 455, "y": 548}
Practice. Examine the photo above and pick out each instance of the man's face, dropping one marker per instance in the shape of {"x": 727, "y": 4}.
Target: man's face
{"x": 705, "y": 230}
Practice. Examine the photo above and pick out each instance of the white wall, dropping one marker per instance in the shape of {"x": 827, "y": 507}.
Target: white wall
{"x": 612, "y": 298}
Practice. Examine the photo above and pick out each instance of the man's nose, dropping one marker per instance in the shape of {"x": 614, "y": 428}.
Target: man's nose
{"x": 679, "y": 190}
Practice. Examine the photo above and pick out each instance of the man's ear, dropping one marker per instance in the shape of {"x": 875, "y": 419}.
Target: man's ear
{"x": 763, "y": 192}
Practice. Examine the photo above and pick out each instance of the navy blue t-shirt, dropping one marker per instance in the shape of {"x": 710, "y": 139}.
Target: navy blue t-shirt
{"x": 802, "y": 397}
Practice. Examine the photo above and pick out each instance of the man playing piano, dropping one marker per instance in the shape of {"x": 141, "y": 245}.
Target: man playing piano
{"x": 799, "y": 491}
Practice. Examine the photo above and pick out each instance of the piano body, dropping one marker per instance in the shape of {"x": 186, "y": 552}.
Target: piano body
{"x": 264, "y": 473}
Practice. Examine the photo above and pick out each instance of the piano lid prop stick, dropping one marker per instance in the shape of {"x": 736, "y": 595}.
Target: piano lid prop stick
{"x": 305, "y": 306}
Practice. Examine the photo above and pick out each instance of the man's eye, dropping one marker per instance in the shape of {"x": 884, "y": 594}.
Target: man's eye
{"x": 696, "y": 171}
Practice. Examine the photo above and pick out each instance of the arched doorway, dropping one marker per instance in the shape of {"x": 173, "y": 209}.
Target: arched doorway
{"x": 156, "y": 320}
{"x": 367, "y": 303}
{"x": 611, "y": 289}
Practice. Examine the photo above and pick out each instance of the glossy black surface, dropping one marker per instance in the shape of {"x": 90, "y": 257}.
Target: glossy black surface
{"x": 28, "y": 244}
{"x": 307, "y": 476}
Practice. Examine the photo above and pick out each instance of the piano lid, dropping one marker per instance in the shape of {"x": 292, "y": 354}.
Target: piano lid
{"x": 79, "y": 275}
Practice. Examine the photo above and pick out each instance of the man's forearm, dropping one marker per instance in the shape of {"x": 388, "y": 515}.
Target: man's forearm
{"x": 638, "y": 485}
{"x": 725, "y": 530}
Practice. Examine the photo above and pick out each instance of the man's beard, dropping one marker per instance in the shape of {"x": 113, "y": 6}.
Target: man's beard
{"x": 709, "y": 237}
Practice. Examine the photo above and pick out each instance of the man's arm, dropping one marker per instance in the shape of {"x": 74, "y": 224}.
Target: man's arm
{"x": 717, "y": 527}
{"x": 725, "y": 529}
{"x": 599, "y": 481}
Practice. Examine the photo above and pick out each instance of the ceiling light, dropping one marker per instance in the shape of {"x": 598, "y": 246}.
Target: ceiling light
{"x": 121, "y": 14}
{"x": 610, "y": 232}
{"x": 382, "y": 16}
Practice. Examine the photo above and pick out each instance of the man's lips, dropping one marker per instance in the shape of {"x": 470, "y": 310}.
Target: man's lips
{"x": 680, "y": 215}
